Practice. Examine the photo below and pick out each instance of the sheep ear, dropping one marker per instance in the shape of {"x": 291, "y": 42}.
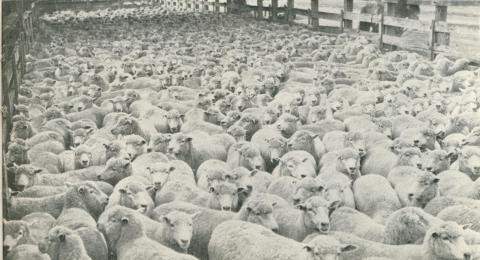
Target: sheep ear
{"x": 124, "y": 220}
{"x": 308, "y": 248}
{"x": 171, "y": 169}
{"x": 69, "y": 184}
{"x": 253, "y": 172}
{"x": 274, "y": 204}
{"x": 188, "y": 139}
{"x": 165, "y": 219}
{"x": 333, "y": 206}
{"x": 435, "y": 180}
{"x": 301, "y": 207}
{"x": 143, "y": 142}
{"x": 126, "y": 164}
{"x": 314, "y": 136}
{"x": 211, "y": 189}
{"x": 305, "y": 159}
{"x": 348, "y": 248}
{"x": 37, "y": 171}
{"x": 466, "y": 226}
{"x": 435, "y": 235}
{"x": 122, "y": 190}
{"x": 61, "y": 237}
{"x": 195, "y": 214}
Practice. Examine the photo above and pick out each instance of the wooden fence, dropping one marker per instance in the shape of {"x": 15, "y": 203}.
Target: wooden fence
{"x": 18, "y": 39}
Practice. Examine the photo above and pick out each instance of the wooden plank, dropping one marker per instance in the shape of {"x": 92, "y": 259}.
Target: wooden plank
{"x": 406, "y": 23}
{"x": 301, "y": 11}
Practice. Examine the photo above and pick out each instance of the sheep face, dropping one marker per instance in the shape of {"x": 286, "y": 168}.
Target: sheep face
{"x": 174, "y": 120}
{"x": 470, "y": 160}
{"x": 125, "y": 126}
{"x": 134, "y": 146}
{"x": 119, "y": 104}
{"x": 15, "y": 233}
{"x": 25, "y": 176}
{"x": 307, "y": 188}
{"x": 436, "y": 161}
{"x": 446, "y": 241}
{"x": 83, "y": 157}
{"x": 135, "y": 196}
{"x": 115, "y": 170}
{"x": 16, "y": 154}
{"x": 277, "y": 148}
{"x": 159, "y": 174}
{"x": 237, "y": 132}
{"x": 80, "y": 135}
{"x": 224, "y": 196}
{"x": 316, "y": 213}
{"x": 180, "y": 145}
{"x": 410, "y": 156}
{"x": 261, "y": 212}
{"x": 92, "y": 197}
{"x": 423, "y": 188}
{"x": 180, "y": 225}
{"x": 159, "y": 143}
{"x": 287, "y": 125}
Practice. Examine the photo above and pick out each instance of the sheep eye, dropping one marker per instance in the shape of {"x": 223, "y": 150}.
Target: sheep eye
{"x": 218, "y": 194}
{"x": 20, "y": 232}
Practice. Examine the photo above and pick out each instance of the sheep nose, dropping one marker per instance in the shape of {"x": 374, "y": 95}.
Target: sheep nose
{"x": 467, "y": 256}
{"x": 429, "y": 169}
{"x": 258, "y": 167}
{"x": 296, "y": 201}
{"x": 419, "y": 165}
{"x": 303, "y": 175}
{"x": 416, "y": 142}
{"x": 325, "y": 224}
{"x": 476, "y": 168}
{"x": 290, "y": 145}
{"x": 170, "y": 149}
{"x": 226, "y": 208}
{"x": 149, "y": 150}
{"x": 184, "y": 241}
{"x": 352, "y": 169}
{"x": 275, "y": 230}
{"x": 249, "y": 187}
{"x": 143, "y": 206}
{"x": 20, "y": 187}
{"x": 410, "y": 196}
{"x": 99, "y": 177}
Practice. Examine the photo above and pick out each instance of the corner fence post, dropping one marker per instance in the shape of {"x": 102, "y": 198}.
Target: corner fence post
{"x": 259, "y": 9}
{"x": 314, "y": 14}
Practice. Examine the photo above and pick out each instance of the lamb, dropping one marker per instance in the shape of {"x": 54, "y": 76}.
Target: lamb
{"x": 337, "y": 140}
{"x": 175, "y": 170}
{"x": 22, "y": 130}
{"x": 258, "y": 209}
{"x": 455, "y": 183}
{"x": 92, "y": 200}
{"x": 338, "y": 187}
{"x": 306, "y": 141}
{"x": 251, "y": 123}
{"x": 245, "y": 154}
{"x": 129, "y": 126}
{"x": 194, "y": 125}
{"x": 421, "y": 137}
{"x": 463, "y": 215}
{"x": 64, "y": 243}
{"x": 147, "y": 160}
{"x": 127, "y": 238}
{"x": 272, "y": 145}
{"x": 115, "y": 170}
{"x": 349, "y": 220}
{"x": 159, "y": 143}
{"x": 135, "y": 146}
{"x": 39, "y": 224}
{"x": 259, "y": 243}
{"x": 237, "y": 132}
{"x": 375, "y": 197}
{"x": 413, "y": 186}
{"x": 287, "y": 125}
{"x": 17, "y": 154}
{"x": 135, "y": 195}
{"x": 434, "y": 245}
{"x": 380, "y": 161}
{"x": 187, "y": 148}
{"x": 211, "y": 171}
{"x": 468, "y": 161}
{"x": 324, "y": 126}
{"x": 311, "y": 216}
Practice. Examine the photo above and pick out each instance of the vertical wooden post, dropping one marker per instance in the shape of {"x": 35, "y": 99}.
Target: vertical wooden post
{"x": 290, "y": 11}
{"x": 314, "y": 13}
{"x": 273, "y": 11}
{"x": 342, "y": 21}
{"x": 205, "y": 5}
{"x": 432, "y": 40}
{"x": 347, "y": 7}
{"x": 259, "y": 9}
{"x": 380, "y": 31}
{"x": 217, "y": 6}
{"x": 440, "y": 13}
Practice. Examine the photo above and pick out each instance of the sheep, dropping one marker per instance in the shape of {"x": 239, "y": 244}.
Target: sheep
{"x": 455, "y": 183}
{"x": 433, "y": 247}
{"x": 237, "y": 132}
{"x": 439, "y": 203}
{"x": 16, "y": 233}
{"x": 126, "y": 236}
{"x": 135, "y": 146}
{"x": 45, "y": 136}
{"x": 159, "y": 143}
{"x": 24, "y": 252}
{"x": 413, "y": 186}
{"x": 408, "y": 226}
{"x": 244, "y": 154}
{"x": 64, "y": 243}
{"x": 402, "y": 122}
{"x": 349, "y": 220}
{"x": 260, "y": 180}
{"x": 17, "y": 154}
{"x": 22, "y": 130}
{"x": 381, "y": 161}
{"x": 436, "y": 161}
{"x": 172, "y": 229}
{"x": 345, "y": 161}
{"x": 306, "y": 141}
{"x": 258, "y": 209}
{"x": 421, "y": 137}
{"x": 283, "y": 187}
{"x": 463, "y": 215}
{"x": 306, "y": 188}
{"x": 192, "y": 126}
{"x": 298, "y": 164}
{"x": 287, "y": 125}
{"x": 251, "y": 123}
{"x": 249, "y": 241}
{"x": 135, "y": 195}
{"x": 175, "y": 170}
{"x": 311, "y": 216}
{"x": 468, "y": 161}
{"x": 115, "y": 170}
{"x": 39, "y": 224}
{"x": 85, "y": 195}
{"x": 324, "y": 126}
{"x": 210, "y": 171}
{"x": 375, "y": 197}
{"x": 194, "y": 150}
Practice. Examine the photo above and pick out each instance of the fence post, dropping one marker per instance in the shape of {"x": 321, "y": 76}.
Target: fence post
{"x": 380, "y": 31}
{"x": 432, "y": 40}
{"x": 259, "y": 9}
{"x": 205, "y": 5}
{"x": 342, "y": 21}
{"x": 347, "y": 7}
{"x": 273, "y": 10}
{"x": 314, "y": 13}
{"x": 290, "y": 11}
{"x": 217, "y": 6}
